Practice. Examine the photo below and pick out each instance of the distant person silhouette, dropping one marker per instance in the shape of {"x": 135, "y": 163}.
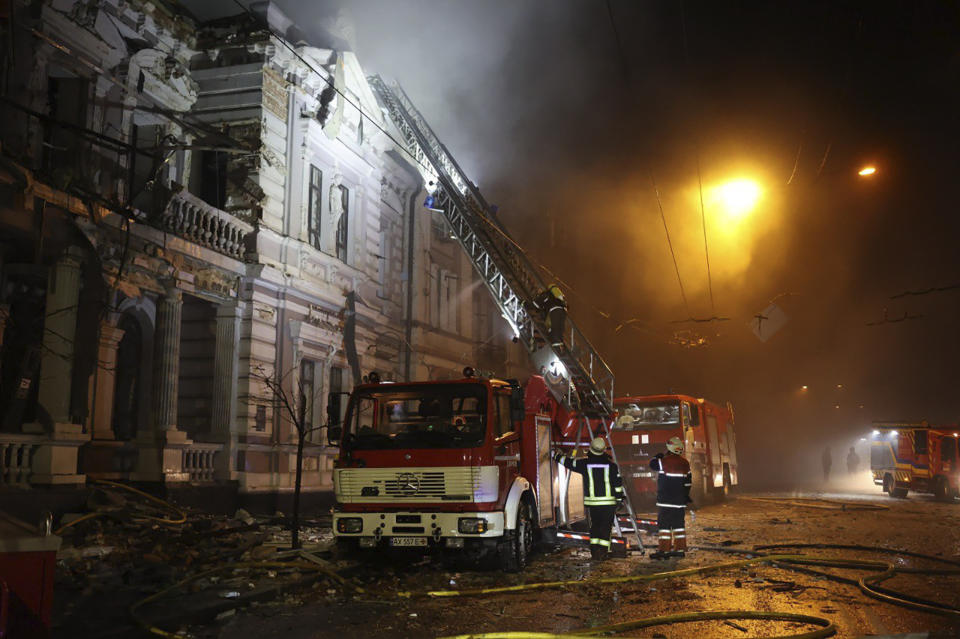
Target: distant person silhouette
{"x": 827, "y": 462}
{"x": 853, "y": 460}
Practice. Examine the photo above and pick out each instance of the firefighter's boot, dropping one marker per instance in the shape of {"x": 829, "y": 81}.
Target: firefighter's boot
{"x": 663, "y": 548}
{"x": 679, "y": 543}
{"x": 598, "y": 552}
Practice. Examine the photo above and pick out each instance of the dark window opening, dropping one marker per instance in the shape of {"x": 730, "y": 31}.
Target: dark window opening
{"x": 213, "y": 178}
{"x": 313, "y": 210}
{"x": 145, "y": 137}
{"x": 126, "y": 395}
{"x": 342, "y": 225}
{"x": 920, "y": 442}
{"x": 306, "y": 392}
{"x": 64, "y": 149}
{"x": 335, "y": 399}
{"x": 948, "y": 450}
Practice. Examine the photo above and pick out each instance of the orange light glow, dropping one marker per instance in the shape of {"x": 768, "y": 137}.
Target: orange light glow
{"x": 867, "y": 170}
{"x": 737, "y": 197}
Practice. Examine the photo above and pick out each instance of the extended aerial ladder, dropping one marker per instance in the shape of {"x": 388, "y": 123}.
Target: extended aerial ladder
{"x": 504, "y": 267}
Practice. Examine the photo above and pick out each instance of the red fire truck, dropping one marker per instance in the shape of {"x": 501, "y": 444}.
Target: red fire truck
{"x": 915, "y": 456}
{"x": 463, "y": 464}
{"x": 643, "y": 426}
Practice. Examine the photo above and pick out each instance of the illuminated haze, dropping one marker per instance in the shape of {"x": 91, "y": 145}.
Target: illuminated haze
{"x": 564, "y": 130}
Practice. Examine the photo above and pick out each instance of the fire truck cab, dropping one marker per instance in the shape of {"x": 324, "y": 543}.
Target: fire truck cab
{"x": 645, "y": 424}
{"x": 462, "y": 465}
{"x": 915, "y": 456}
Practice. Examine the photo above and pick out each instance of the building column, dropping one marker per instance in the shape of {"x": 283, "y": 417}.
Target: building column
{"x": 225, "y": 386}
{"x": 166, "y": 358}
{"x": 162, "y": 447}
{"x": 59, "y": 333}
{"x": 101, "y": 416}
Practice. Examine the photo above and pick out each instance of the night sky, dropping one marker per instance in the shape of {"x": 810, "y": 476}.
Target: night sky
{"x": 567, "y": 131}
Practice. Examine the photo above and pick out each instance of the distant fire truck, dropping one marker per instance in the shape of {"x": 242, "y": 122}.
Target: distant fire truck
{"x": 463, "y": 465}
{"x": 643, "y": 426}
{"x": 915, "y": 456}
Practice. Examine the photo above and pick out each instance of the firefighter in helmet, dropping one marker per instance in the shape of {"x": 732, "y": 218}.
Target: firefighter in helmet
{"x": 673, "y": 495}
{"x": 602, "y": 491}
{"x": 554, "y": 308}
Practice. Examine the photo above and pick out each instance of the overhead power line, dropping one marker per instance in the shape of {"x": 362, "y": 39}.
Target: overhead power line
{"x": 663, "y": 218}
{"x": 926, "y": 291}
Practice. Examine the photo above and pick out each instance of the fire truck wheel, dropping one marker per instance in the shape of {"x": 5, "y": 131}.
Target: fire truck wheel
{"x": 887, "y": 484}
{"x": 941, "y": 489}
{"x": 516, "y": 549}
{"x": 700, "y": 493}
{"x": 899, "y": 493}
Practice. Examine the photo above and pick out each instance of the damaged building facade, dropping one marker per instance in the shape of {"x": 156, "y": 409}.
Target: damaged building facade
{"x": 191, "y": 218}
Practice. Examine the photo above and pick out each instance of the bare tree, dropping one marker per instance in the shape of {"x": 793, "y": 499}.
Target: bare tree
{"x": 287, "y": 402}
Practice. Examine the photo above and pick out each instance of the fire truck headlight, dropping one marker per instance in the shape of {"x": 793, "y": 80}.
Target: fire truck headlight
{"x": 472, "y": 525}
{"x": 876, "y": 433}
{"x": 349, "y": 525}
{"x": 893, "y": 434}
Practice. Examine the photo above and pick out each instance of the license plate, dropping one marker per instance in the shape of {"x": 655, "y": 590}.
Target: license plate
{"x": 408, "y": 541}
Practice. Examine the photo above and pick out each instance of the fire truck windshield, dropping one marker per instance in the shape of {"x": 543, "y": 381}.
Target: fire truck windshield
{"x": 648, "y": 416}
{"x": 434, "y": 416}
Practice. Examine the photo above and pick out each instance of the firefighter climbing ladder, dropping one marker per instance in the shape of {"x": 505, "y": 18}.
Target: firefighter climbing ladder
{"x": 504, "y": 267}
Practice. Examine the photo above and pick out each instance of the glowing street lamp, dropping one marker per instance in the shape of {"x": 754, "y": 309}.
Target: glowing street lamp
{"x": 738, "y": 197}
{"x": 867, "y": 171}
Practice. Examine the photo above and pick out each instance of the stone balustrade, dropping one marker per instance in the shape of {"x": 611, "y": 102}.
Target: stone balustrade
{"x": 199, "y": 460}
{"x": 16, "y": 458}
{"x": 193, "y": 219}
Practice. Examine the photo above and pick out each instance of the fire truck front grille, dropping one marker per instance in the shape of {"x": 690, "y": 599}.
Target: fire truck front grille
{"x": 414, "y": 485}
{"x": 421, "y": 484}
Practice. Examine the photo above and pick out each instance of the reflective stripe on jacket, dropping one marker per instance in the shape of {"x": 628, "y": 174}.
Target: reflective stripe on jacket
{"x": 673, "y": 480}
{"x": 602, "y": 485}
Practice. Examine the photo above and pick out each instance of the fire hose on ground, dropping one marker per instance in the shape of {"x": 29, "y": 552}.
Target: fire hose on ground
{"x": 802, "y": 563}
{"x": 869, "y": 585}
{"x": 179, "y": 516}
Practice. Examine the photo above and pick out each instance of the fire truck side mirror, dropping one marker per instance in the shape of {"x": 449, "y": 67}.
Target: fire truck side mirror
{"x": 333, "y": 435}
{"x": 333, "y": 415}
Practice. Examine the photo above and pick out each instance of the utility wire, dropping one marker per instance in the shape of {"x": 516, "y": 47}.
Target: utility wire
{"x": 663, "y": 218}
{"x": 703, "y": 223}
{"x": 616, "y": 38}
{"x": 926, "y": 291}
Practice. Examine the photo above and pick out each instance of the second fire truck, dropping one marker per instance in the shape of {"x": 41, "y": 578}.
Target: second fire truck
{"x": 643, "y": 426}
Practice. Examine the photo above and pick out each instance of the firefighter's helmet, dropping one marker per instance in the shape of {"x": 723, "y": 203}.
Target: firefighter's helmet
{"x": 675, "y": 445}
{"x": 597, "y": 446}
{"x": 555, "y": 291}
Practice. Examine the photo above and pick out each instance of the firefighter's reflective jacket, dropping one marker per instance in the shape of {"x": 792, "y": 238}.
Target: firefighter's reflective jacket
{"x": 548, "y": 301}
{"x": 602, "y": 485}
{"x": 673, "y": 480}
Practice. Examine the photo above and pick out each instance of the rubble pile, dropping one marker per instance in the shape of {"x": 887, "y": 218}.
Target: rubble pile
{"x": 127, "y": 547}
